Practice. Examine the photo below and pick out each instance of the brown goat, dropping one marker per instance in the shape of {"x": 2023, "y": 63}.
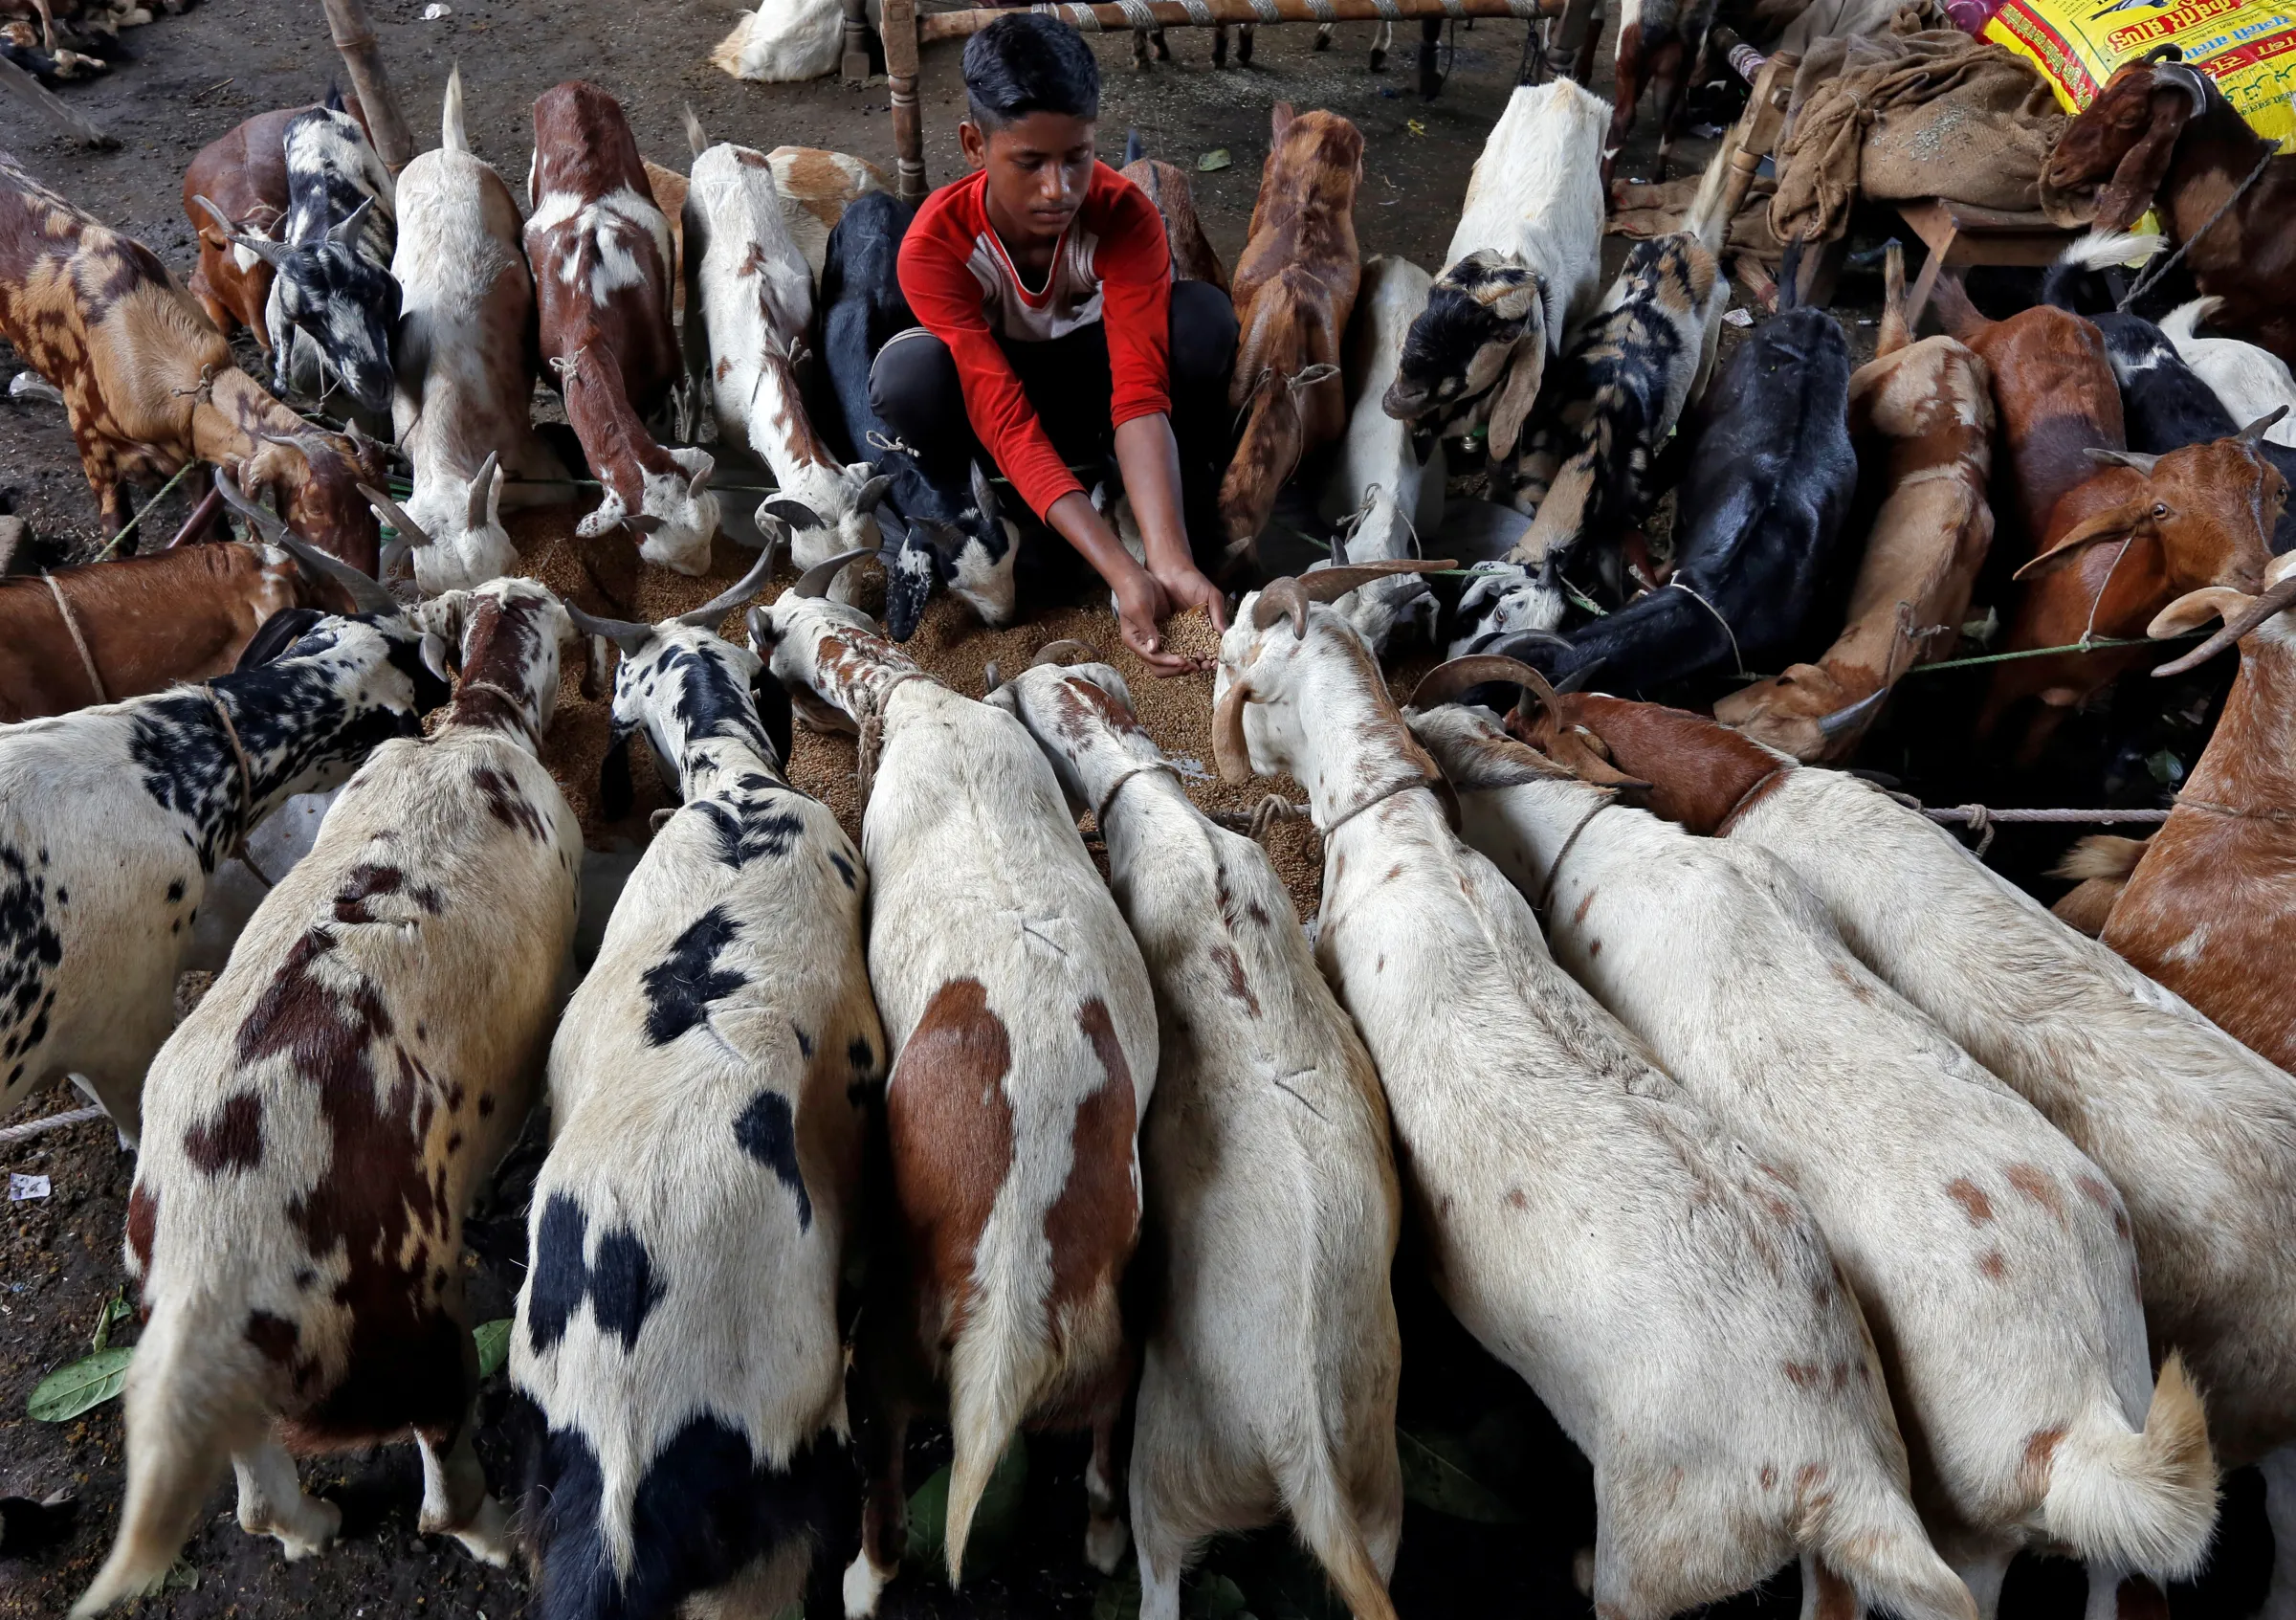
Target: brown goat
{"x": 149, "y": 381}
{"x": 1922, "y": 417}
{"x": 147, "y": 622}
{"x": 1194, "y": 259}
{"x": 1295, "y": 288}
{"x": 2161, "y": 135}
{"x": 244, "y": 173}
{"x": 2143, "y": 531}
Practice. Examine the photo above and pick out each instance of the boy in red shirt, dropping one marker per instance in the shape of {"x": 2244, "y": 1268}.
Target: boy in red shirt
{"x": 1050, "y": 322}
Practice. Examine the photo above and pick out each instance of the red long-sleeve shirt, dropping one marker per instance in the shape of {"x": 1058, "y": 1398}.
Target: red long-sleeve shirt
{"x": 1111, "y": 265}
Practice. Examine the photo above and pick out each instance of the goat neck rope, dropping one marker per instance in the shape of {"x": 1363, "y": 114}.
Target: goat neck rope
{"x": 87, "y": 659}
{"x": 1108, "y": 799}
{"x": 1546, "y": 890}
{"x": 1419, "y": 779}
{"x": 1746, "y": 801}
{"x": 873, "y": 730}
{"x": 518, "y": 704}
{"x": 2152, "y": 273}
{"x": 247, "y": 779}
{"x": 2213, "y": 808}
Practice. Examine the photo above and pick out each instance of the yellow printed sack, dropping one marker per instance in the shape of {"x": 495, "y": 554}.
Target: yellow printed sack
{"x": 2247, "y": 45}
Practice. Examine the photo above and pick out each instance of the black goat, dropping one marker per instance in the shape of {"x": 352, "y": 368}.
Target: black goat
{"x": 932, "y": 535}
{"x": 1772, "y": 476}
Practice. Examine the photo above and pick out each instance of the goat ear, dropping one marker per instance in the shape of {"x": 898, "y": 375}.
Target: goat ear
{"x": 2195, "y": 607}
{"x": 2131, "y": 189}
{"x": 1279, "y": 119}
{"x": 1526, "y": 369}
{"x": 1228, "y": 750}
{"x": 2120, "y": 524}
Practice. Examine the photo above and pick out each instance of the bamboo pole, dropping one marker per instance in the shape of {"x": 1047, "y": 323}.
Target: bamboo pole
{"x": 35, "y": 95}
{"x": 355, "y": 38}
{"x": 1204, "y": 13}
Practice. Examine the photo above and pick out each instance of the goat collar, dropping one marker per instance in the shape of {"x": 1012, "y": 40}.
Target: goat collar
{"x": 2266, "y": 814}
{"x": 87, "y": 659}
{"x": 1546, "y": 890}
{"x": 1748, "y": 799}
{"x": 247, "y": 780}
{"x": 1435, "y": 784}
{"x": 871, "y": 726}
{"x": 518, "y": 704}
{"x": 1108, "y": 799}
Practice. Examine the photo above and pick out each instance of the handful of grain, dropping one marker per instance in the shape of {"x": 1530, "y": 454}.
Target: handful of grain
{"x": 1191, "y": 636}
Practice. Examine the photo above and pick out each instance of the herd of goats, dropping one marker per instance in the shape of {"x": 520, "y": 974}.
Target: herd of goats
{"x": 1842, "y": 1203}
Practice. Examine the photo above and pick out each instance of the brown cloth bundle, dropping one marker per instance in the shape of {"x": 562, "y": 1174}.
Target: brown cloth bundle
{"x": 1639, "y": 211}
{"x": 1906, "y": 115}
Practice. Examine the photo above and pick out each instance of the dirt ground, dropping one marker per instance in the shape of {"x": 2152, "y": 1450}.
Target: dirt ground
{"x": 1506, "y": 1545}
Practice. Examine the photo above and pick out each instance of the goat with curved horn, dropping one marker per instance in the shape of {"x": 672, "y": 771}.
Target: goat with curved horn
{"x": 271, "y": 253}
{"x": 815, "y": 581}
{"x": 872, "y": 492}
{"x": 366, "y": 596}
{"x": 1444, "y": 682}
{"x": 2255, "y": 430}
{"x": 795, "y": 513}
{"x": 1853, "y": 718}
{"x": 482, "y": 489}
{"x": 2277, "y": 600}
{"x": 346, "y": 229}
{"x": 1065, "y": 651}
{"x": 707, "y": 615}
{"x": 1292, "y": 593}
{"x": 626, "y": 633}
{"x": 395, "y": 515}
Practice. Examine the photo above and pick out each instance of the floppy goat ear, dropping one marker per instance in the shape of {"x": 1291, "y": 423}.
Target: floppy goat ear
{"x": 2131, "y": 189}
{"x": 2195, "y": 607}
{"x": 1518, "y": 392}
{"x": 2123, "y": 522}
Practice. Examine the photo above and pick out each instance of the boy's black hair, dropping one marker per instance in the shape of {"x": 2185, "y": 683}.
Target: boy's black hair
{"x": 1028, "y": 63}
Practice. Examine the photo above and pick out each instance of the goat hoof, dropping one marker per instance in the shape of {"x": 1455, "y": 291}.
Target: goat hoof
{"x": 1323, "y": 42}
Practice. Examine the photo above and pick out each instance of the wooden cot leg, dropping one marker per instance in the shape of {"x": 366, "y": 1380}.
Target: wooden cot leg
{"x": 854, "y": 64}
{"x": 900, "y": 72}
{"x": 1918, "y": 300}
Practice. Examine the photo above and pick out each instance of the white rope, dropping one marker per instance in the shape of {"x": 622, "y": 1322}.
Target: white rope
{"x": 52, "y": 1122}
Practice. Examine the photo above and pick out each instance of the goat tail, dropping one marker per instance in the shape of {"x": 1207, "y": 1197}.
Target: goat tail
{"x": 1871, "y": 1537}
{"x": 194, "y": 1398}
{"x": 2143, "y": 1501}
{"x": 1309, "y": 1482}
{"x": 450, "y": 133}
{"x": 1961, "y": 319}
{"x": 1001, "y": 1360}
{"x": 2104, "y": 855}
{"x": 1707, "y": 219}
{"x": 2096, "y": 250}
{"x": 697, "y": 138}
{"x": 2182, "y": 322}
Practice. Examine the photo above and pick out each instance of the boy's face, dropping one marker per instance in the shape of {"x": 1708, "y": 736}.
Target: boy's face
{"x": 1039, "y": 169}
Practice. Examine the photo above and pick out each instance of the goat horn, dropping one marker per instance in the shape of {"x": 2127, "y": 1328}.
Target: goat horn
{"x": 622, "y": 633}
{"x": 707, "y": 615}
{"x": 984, "y": 492}
{"x": 393, "y": 514}
{"x": 1292, "y": 593}
{"x": 872, "y": 491}
{"x": 2276, "y": 600}
{"x": 1064, "y": 652}
{"x": 795, "y": 513}
{"x": 347, "y": 228}
{"x": 262, "y": 247}
{"x": 2255, "y": 430}
{"x": 814, "y": 582}
{"x": 2122, "y": 458}
{"x": 700, "y": 480}
{"x": 1444, "y": 683}
{"x": 2187, "y": 79}
{"x": 482, "y": 488}
{"x": 366, "y": 596}
{"x": 991, "y": 678}
{"x": 1854, "y": 717}
{"x": 695, "y": 136}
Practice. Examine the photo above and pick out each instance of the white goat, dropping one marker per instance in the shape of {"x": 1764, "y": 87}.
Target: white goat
{"x": 1270, "y": 1380}
{"x": 1025, "y": 1052}
{"x": 1997, "y": 1253}
{"x": 2252, "y": 382}
{"x": 749, "y": 301}
{"x": 1379, "y": 488}
{"x": 784, "y": 41}
{"x": 1536, "y": 197}
{"x": 1669, "y": 1299}
{"x": 463, "y": 358}
{"x": 678, "y": 1325}
{"x": 2196, "y": 1132}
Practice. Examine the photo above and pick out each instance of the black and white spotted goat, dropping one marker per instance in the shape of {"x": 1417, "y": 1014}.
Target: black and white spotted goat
{"x": 333, "y": 301}
{"x": 678, "y": 1328}
{"x": 112, "y": 819}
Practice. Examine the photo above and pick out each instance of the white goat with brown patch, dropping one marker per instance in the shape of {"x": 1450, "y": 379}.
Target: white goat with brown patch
{"x": 1024, "y": 1051}
{"x": 1994, "y": 1249}
{"x": 1560, "y": 1172}
{"x": 1269, "y": 1382}
{"x": 749, "y": 303}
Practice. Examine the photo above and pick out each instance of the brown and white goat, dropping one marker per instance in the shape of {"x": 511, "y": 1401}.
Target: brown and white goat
{"x": 2196, "y": 1131}
{"x": 243, "y": 172}
{"x": 1922, "y": 417}
{"x": 1996, "y": 1254}
{"x": 1024, "y": 1041}
{"x": 2160, "y": 135}
{"x": 1194, "y": 259}
{"x": 465, "y": 361}
{"x": 1294, "y": 287}
{"x": 144, "y": 623}
{"x": 815, "y": 187}
{"x": 149, "y": 382}
{"x": 1734, "y": 1414}
{"x": 317, "y": 1128}
{"x": 602, "y": 261}
{"x": 1272, "y": 1191}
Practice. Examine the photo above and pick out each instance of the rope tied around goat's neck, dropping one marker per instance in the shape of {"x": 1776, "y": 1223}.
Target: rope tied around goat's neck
{"x": 1306, "y": 377}
{"x": 87, "y": 659}
{"x": 1108, "y": 799}
{"x": 871, "y": 724}
{"x": 1546, "y": 890}
{"x": 247, "y": 777}
{"x": 2152, "y": 273}
{"x": 1737, "y": 657}
{"x": 1346, "y": 529}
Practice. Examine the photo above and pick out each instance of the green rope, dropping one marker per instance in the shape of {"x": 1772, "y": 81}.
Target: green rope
{"x": 129, "y": 527}
{"x": 2101, "y": 644}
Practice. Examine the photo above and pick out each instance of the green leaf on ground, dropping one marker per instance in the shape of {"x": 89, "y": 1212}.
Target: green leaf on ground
{"x": 996, "y": 1522}
{"x": 1215, "y": 159}
{"x": 494, "y": 1346}
{"x": 1119, "y": 1595}
{"x": 84, "y": 1383}
{"x": 1435, "y": 1477}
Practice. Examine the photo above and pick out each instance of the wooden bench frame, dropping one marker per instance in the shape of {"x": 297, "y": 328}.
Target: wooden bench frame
{"x": 906, "y": 33}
